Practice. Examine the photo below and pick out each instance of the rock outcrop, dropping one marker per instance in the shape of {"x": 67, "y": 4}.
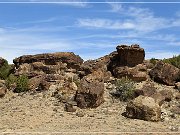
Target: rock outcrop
{"x": 130, "y": 55}
{"x": 3, "y": 89}
{"x": 72, "y": 60}
{"x": 91, "y": 90}
{"x": 165, "y": 73}
{"x": 38, "y": 83}
{"x": 90, "y": 66}
{"x": 150, "y": 90}
{"x": 147, "y": 89}
{"x": 134, "y": 73}
{"x": 128, "y": 61}
{"x": 144, "y": 108}
{"x": 44, "y": 70}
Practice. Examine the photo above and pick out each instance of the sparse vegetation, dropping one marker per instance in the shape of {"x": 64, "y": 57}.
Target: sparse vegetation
{"x": 5, "y": 70}
{"x": 124, "y": 89}
{"x": 175, "y": 61}
{"x": 153, "y": 61}
{"x": 20, "y": 83}
{"x": 11, "y": 80}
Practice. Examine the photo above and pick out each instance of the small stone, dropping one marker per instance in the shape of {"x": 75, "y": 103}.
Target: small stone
{"x": 61, "y": 114}
{"x": 173, "y": 128}
{"x": 91, "y": 115}
{"x": 80, "y": 114}
{"x": 69, "y": 108}
{"x": 166, "y": 119}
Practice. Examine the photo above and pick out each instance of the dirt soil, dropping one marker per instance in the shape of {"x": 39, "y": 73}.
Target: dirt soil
{"x": 39, "y": 113}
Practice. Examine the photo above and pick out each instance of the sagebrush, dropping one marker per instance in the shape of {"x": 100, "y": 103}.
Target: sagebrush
{"x": 175, "y": 61}
{"x": 5, "y": 70}
{"x": 153, "y": 61}
{"x": 124, "y": 89}
{"x": 20, "y": 83}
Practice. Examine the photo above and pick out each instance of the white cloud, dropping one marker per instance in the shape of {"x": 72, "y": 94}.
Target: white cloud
{"x": 105, "y": 23}
{"x": 48, "y": 20}
{"x": 160, "y": 54}
{"x": 139, "y": 19}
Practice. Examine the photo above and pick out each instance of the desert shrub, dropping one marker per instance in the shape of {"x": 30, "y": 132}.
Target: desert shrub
{"x": 153, "y": 61}
{"x": 5, "y": 70}
{"x": 11, "y": 80}
{"x": 77, "y": 82}
{"x": 21, "y": 83}
{"x": 175, "y": 61}
{"x": 124, "y": 89}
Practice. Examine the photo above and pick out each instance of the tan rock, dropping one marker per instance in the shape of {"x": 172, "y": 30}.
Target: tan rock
{"x": 3, "y": 90}
{"x": 177, "y": 85}
{"x": 144, "y": 108}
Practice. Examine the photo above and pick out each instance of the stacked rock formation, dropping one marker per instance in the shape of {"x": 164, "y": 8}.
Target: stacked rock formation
{"x": 45, "y": 69}
{"x": 127, "y": 61}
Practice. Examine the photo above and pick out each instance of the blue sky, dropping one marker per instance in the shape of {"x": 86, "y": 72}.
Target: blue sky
{"x": 91, "y": 30}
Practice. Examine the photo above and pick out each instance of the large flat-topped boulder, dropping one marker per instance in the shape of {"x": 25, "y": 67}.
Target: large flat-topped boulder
{"x": 130, "y": 55}
{"x": 72, "y": 60}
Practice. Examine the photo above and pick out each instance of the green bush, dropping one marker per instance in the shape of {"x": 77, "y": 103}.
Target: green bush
{"x": 21, "y": 83}
{"x": 153, "y": 61}
{"x": 11, "y": 80}
{"x": 5, "y": 70}
{"x": 124, "y": 89}
{"x": 175, "y": 61}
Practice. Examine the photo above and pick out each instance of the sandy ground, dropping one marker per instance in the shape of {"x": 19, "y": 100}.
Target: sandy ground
{"x": 42, "y": 114}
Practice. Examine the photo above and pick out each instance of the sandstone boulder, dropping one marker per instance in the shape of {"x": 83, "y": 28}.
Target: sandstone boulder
{"x": 159, "y": 98}
{"x": 165, "y": 73}
{"x": 130, "y": 55}
{"x": 91, "y": 90}
{"x": 167, "y": 94}
{"x": 177, "y": 85}
{"x": 127, "y": 61}
{"x": 150, "y": 90}
{"x": 147, "y": 89}
{"x": 90, "y": 66}
{"x": 38, "y": 83}
{"x": 136, "y": 74}
{"x": 144, "y": 108}
{"x": 3, "y": 90}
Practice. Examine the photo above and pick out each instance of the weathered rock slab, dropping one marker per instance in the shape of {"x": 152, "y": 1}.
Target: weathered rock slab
{"x": 144, "y": 108}
{"x": 165, "y": 73}
{"x": 91, "y": 90}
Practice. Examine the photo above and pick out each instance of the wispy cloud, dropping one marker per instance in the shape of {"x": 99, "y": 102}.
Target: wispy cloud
{"x": 48, "y": 20}
{"x": 138, "y": 19}
{"x": 106, "y": 24}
